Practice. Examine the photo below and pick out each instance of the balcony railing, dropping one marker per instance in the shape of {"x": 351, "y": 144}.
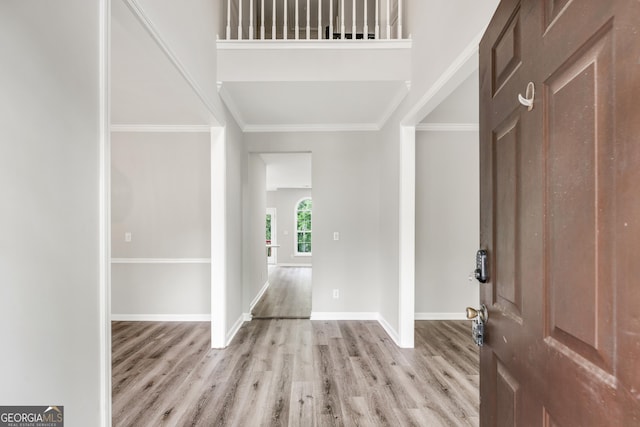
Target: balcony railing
{"x": 313, "y": 19}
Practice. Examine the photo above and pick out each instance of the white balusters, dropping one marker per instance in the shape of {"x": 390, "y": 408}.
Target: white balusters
{"x": 365, "y": 29}
{"x": 250, "y": 19}
{"x": 284, "y": 26}
{"x": 377, "y": 28}
{"x": 319, "y": 19}
{"x": 354, "y": 30}
{"x": 388, "y": 19}
{"x": 399, "y": 19}
{"x": 308, "y": 21}
{"x": 262, "y": 20}
{"x": 273, "y": 23}
{"x": 228, "y": 19}
{"x": 342, "y": 19}
{"x": 330, "y": 19}
{"x": 240, "y": 20}
{"x": 297, "y": 21}
{"x": 337, "y": 23}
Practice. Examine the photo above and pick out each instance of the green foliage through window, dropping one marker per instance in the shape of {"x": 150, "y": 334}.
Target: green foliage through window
{"x": 303, "y": 226}
{"x": 268, "y": 231}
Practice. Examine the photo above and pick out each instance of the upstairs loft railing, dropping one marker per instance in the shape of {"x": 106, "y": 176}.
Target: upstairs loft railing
{"x": 313, "y": 19}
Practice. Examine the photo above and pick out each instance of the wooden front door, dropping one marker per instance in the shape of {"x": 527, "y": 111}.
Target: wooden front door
{"x": 560, "y": 214}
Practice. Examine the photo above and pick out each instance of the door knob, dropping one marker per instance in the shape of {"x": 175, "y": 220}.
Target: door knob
{"x": 479, "y": 318}
{"x": 482, "y": 313}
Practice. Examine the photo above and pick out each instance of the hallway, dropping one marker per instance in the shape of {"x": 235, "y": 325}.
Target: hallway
{"x": 288, "y": 295}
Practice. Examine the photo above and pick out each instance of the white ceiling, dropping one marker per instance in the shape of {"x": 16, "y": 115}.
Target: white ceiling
{"x": 145, "y": 86}
{"x": 341, "y": 105}
{"x": 287, "y": 170}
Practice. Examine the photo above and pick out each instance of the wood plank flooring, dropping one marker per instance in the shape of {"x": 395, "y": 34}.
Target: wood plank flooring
{"x": 288, "y": 295}
{"x": 293, "y": 372}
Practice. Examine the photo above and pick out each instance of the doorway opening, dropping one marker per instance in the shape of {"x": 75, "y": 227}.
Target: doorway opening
{"x": 288, "y": 237}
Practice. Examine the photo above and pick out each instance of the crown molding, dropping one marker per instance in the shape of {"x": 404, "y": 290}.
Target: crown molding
{"x": 333, "y": 127}
{"x": 231, "y": 105}
{"x": 447, "y": 127}
{"x": 161, "y": 128}
{"x": 150, "y": 27}
{"x": 460, "y": 68}
{"x": 394, "y": 104}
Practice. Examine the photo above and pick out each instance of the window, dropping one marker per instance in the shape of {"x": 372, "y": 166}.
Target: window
{"x": 303, "y": 227}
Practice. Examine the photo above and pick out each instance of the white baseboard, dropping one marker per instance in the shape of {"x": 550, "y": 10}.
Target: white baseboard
{"x": 161, "y": 317}
{"x": 389, "y": 330}
{"x": 359, "y": 315}
{"x": 441, "y": 316}
{"x": 234, "y": 329}
{"x": 293, "y": 265}
{"x": 335, "y": 315}
{"x": 258, "y": 296}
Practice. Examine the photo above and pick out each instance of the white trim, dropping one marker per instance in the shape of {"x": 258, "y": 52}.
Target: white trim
{"x": 234, "y": 330}
{"x": 161, "y": 317}
{"x": 259, "y": 295}
{"x": 247, "y": 317}
{"x": 345, "y": 315}
{"x": 407, "y": 236}
{"x": 389, "y": 330}
{"x": 104, "y": 211}
{"x": 161, "y": 261}
{"x": 329, "y": 127}
{"x": 393, "y": 105}
{"x": 440, "y": 316}
{"x": 150, "y": 27}
{"x": 447, "y": 127}
{"x": 160, "y": 128}
{"x": 359, "y": 315}
{"x": 461, "y": 68}
{"x": 321, "y": 44}
{"x": 218, "y": 238}
{"x": 291, "y": 264}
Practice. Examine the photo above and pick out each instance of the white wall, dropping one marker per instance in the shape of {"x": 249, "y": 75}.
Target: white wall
{"x": 161, "y": 194}
{"x": 236, "y": 164}
{"x": 190, "y": 32}
{"x": 447, "y": 222}
{"x": 255, "y": 206}
{"x": 345, "y": 199}
{"x": 285, "y": 200}
{"x": 49, "y": 180}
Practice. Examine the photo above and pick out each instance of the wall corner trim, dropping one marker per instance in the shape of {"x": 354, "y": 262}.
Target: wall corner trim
{"x": 258, "y": 296}
{"x": 389, "y": 330}
{"x": 234, "y": 329}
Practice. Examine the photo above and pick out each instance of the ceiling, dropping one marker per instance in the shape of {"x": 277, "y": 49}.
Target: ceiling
{"x": 264, "y": 106}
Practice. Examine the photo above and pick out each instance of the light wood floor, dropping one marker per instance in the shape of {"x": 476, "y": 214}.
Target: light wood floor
{"x": 294, "y": 372}
{"x": 288, "y": 295}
